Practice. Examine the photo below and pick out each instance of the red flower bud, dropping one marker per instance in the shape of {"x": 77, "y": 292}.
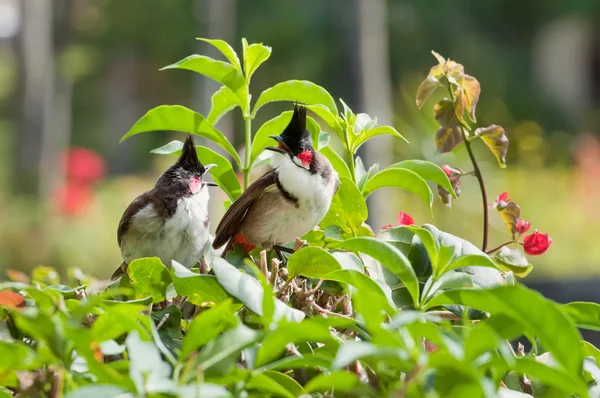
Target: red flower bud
{"x": 405, "y": 219}
{"x": 523, "y": 226}
{"x": 536, "y": 243}
{"x": 447, "y": 170}
{"x": 386, "y": 227}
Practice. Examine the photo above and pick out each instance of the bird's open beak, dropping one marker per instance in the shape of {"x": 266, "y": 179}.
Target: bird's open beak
{"x": 282, "y": 148}
{"x": 208, "y": 183}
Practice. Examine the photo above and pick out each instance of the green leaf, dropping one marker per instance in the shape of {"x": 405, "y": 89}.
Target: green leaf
{"x": 180, "y": 118}
{"x": 254, "y": 55}
{"x": 287, "y": 382}
{"x": 352, "y": 351}
{"x": 117, "y": 320}
{"x": 149, "y": 277}
{"x": 146, "y": 368}
{"x": 494, "y": 137}
{"x": 336, "y": 161}
{"x": 400, "y": 178}
{"x": 222, "y": 101}
{"x": 275, "y": 342}
{"x": 427, "y": 171}
{"x": 249, "y": 291}
{"x": 331, "y": 119}
{"x": 222, "y": 173}
{"x": 207, "y": 326}
{"x": 219, "y": 71}
{"x": 530, "y": 309}
{"x": 203, "y": 390}
{"x": 338, "y": 381}
{"x": 17, "y": 355}
{"x": 378, "y": 291}
{"x": 583, "y": 314}
{"x": 374, "y": 132}
{"x": 301, "y": 91}
{"x": 200, "y": 289}
{"x": 426, "y": 88}
{"x": 98, "y": 391}
{"x": 229, "y": 344}
{"x": 513, "y": 260}
{"x": 262, "y": 382}
{"x": 312, "y": 262}
{"x": 225, "y": 49}
{"x": 450, "y": 280}
{"x": 348, "y": 209}
{"x": 388, "y": 256}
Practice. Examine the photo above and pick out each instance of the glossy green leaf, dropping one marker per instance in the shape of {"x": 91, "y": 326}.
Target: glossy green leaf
{"x": 348, "y": 209}
{"x": 116, "y": 321}
{"x": 225, "y": 49}
{"x": 249, "y": 291}
{"x": 180, "y": 118}
{"x": 149, "y": 277}
{"x": 374, "y": 132}
{"x": 98, "y": 391}
{"x": 400, "y": 178}
{"x": 148, "y": 371}
{"x": 17, "y": 355}
{"x": 203, "y": 390}
{"x": 338, "y": 381}
{"x": 262, "y": 382}
{"x": 388, "y": 256}
{"x": 222, "y": 101}
{"x": 362, "y": 282}
{"x": 449, "y": 280}
{"x": 514, "y": 260}
{"x": 312, "y": 262}
{"x": 331, "y": 119}
{"x": 537, "y": 314}
{"x": 337, "y": 162}
{"x": 427, "y": 171}
{"x": 219, "y": 71}
{"x": 301, "y": 91}
{"x": 201, "y": 290}
{"x": 207, "y": 326}
{"x": 254, "y": 55}
{"x": 222, "y": 173}
{"x": 352, "y": 351}
{"x": 583, "y": 314}
{"x": 230, "y": 343}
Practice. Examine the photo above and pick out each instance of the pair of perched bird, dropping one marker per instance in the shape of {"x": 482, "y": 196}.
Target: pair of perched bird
{"x": 170, "y": 221}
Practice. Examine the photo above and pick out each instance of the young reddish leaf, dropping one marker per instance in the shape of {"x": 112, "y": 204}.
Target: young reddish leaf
{"x": 445, "y": 195}
{"x": 426, "y": 88}
{"x": 17, "y": 276}
{"x": 439, "y": 58}
{"x": 510, "y": 213}
{"x": 495, "y": 138}
{"x": 459, "y": 106}
{"x": 454, "y": 72}
{"x": 444, "y": 113}
{"x": 11, "y": 300}
{"x": 446, "y": 139}
{"x": 471, "y": 90}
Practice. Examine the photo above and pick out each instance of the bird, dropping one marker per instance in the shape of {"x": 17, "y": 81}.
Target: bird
{"x": 285, "y": 203}
{"x": 170, "y": 221}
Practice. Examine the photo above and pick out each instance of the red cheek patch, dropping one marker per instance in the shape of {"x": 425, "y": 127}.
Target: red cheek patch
{"x": 306, "y": 157}
{"x": 195, "y": 184}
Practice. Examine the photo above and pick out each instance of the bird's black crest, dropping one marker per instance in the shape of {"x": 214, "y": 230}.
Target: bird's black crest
{"x": 189, "y": 158}
{"x": 295, "y": 135}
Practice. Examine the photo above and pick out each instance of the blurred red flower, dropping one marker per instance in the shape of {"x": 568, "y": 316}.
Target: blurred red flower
{"x": 405, "y": 219}
{"x": 83, "y": 165}
{"x": 536, "y": 243}
{"x": 503, "y": 197}
{"x": 523, "y": 226}
{"x": 387, "y": 226}
{"x": 72, "y": 197}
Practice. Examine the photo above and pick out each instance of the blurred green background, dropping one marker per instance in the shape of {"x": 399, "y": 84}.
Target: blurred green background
{"x": 79, "y": 73}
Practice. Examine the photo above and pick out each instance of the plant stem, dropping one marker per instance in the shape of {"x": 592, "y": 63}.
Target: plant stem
{"x": 479, "y": 177}
{"x": 247, "y": 166}
{"x": 500, "y": 247}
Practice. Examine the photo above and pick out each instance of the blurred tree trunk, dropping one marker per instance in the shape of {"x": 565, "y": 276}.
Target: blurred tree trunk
{"x": 375, "y": 90}
{"x": 36, "y": 87}
{"x": 218, "y": 21}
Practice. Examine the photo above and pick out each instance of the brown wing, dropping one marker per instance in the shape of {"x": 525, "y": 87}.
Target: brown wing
{"x": 234, "y": 216}
{"x": 139, "y": 203}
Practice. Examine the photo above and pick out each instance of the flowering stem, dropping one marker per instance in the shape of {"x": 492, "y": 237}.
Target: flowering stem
{"x": 479, "y": 177}
{"x": 500, "y": 247}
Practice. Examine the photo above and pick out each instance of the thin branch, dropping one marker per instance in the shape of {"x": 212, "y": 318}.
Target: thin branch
{"x": 500, "y": 247}
{"x": 263, "y": 264}
{"x": 479, "y": 177}
{"x": 162, "y": 321}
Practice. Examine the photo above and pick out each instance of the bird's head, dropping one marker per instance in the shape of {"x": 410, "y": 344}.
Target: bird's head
{"x": 186, "y": 177}
{"x": 295, "y": 142}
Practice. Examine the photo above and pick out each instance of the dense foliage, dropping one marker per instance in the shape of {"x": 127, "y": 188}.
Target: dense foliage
{"x": 401, "y": 311}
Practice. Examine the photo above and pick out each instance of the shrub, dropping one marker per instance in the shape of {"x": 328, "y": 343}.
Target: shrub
{"x": 399, "y": 311}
